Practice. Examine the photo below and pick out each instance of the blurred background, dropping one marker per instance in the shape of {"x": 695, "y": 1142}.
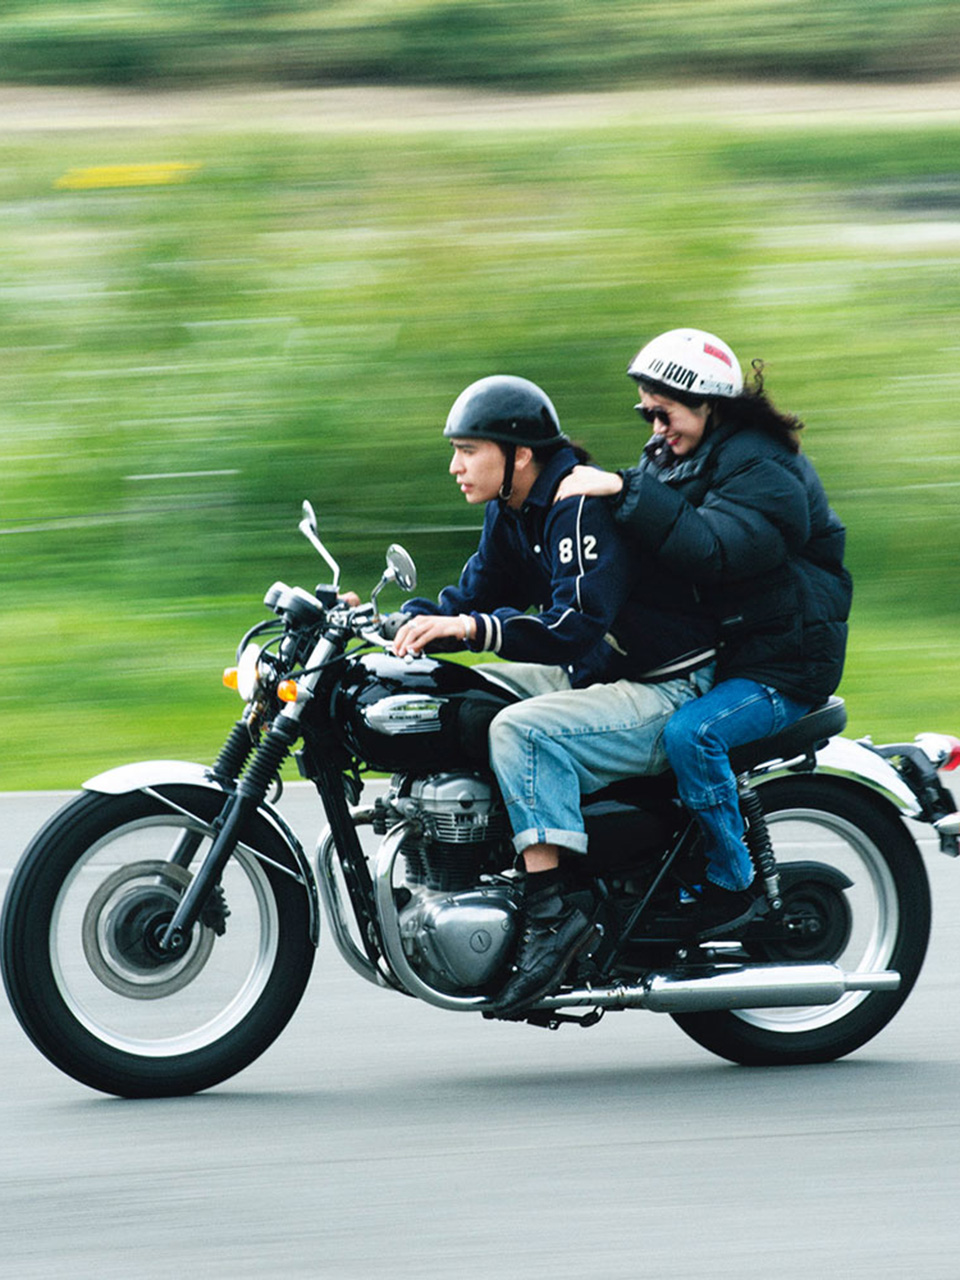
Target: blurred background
{"x": 251, "y": 252}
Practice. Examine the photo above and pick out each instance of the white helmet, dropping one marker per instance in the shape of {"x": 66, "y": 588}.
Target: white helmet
{"x": 690, "y": 361}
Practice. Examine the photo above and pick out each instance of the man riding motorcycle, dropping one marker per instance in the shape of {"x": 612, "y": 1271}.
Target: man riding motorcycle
{"x": 616, "y": 646}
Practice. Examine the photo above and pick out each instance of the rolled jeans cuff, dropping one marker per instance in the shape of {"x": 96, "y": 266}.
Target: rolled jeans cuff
{"x": 570, "y": 841}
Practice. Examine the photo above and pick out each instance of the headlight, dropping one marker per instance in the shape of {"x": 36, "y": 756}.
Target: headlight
{"x": 248, "y": 672}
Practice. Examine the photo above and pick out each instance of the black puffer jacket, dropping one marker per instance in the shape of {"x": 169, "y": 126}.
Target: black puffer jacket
{"x": 748, "y": 521}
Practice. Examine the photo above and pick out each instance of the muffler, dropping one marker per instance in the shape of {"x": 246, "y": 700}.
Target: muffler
{"x": 737, "y": 987}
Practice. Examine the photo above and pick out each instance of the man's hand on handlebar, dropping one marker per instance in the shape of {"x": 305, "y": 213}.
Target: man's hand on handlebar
{"x": 423, "y": 630}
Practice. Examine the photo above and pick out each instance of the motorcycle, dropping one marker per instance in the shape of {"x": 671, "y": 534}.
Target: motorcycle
{"x": 159, "y": 931}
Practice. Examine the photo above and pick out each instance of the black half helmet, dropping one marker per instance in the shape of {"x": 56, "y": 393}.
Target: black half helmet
{"x": 506, "y": 409}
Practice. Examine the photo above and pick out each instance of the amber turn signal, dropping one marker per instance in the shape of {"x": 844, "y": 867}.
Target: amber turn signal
{"x": 230, "y": 677}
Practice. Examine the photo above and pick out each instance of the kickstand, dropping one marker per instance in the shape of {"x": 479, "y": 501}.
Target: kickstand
{"x": 553, "y": 1021}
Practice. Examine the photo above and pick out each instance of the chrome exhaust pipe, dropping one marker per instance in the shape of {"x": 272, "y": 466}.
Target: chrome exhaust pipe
{"x": 738, "y": 987}
{"x": 723, "y": 986}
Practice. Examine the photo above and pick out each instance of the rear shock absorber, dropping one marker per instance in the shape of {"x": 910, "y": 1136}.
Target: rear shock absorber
{"x": 757, "y": 837}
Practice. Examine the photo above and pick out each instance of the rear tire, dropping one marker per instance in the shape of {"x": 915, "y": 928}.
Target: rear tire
{"x": 882, "y": 921}
{"x": 83, "y": 973}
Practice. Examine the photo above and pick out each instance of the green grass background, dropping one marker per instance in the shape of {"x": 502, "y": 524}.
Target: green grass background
{"x": 181, "y": 364}
{"x": 539, "y": 44}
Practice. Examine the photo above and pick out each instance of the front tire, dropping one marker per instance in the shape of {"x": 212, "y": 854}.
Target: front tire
{"x": 882, "y": 921}
{"x": 86, "y": 979}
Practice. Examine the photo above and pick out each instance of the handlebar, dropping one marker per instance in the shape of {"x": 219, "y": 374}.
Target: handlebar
{"x": 391, "y": 624}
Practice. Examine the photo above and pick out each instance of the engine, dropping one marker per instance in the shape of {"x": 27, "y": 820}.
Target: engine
{"x": 458, "y": 913}
{"x": 461, "y": 830}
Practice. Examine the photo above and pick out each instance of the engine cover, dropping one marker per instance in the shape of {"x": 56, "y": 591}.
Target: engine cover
{"x": 462, "y": 830}
{"x": 460, "y": 808}
{"x": 461, "y": 943}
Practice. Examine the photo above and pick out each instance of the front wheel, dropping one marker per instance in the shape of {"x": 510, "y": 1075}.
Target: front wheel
{"x": 855, "y": 894}
{"x": 79, "y": 935}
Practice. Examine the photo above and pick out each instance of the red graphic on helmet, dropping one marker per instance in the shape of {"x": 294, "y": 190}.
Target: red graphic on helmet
{"x": 711, "y": 350}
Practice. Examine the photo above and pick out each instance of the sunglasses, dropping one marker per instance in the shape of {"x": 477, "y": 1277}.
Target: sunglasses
{"x": 656, "y": 414}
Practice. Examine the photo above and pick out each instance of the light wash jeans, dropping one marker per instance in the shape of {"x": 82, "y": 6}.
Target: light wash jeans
{"x": 697, "y": 741}
{"x": 556, "y": 746}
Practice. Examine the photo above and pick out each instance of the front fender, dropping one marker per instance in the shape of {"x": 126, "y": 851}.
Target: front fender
{"x": 152, "y": 776}
{"x": 845, "y": 758}
{"x": 147, "y": 774}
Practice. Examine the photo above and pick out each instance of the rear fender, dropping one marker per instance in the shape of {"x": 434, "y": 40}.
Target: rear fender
{"x": 844, "y": 758}
{"x": 152, "y": 776}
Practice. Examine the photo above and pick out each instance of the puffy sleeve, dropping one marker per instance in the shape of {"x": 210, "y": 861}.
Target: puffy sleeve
{"x": 754, "y": 515}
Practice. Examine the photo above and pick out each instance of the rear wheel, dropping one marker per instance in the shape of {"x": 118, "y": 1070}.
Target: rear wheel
{"x": 87, "y": 978}
{"x": 856, "y": 894}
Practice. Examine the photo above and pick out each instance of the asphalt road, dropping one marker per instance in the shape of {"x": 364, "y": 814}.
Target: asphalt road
{"x": 383, "y": 1137}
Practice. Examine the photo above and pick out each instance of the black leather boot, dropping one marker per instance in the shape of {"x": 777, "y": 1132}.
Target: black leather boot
{"x": 725, "y": 913}
{"x": 557, "y": 928}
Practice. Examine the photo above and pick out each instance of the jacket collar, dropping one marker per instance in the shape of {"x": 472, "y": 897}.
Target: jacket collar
{"x": 672, "y": 469}
{"x": 545, "y": 486}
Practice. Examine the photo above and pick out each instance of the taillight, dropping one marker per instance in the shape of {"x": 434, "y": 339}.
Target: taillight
{"x": 941, "y": 749}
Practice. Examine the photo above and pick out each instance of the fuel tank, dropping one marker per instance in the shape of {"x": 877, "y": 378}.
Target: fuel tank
{"x": 411, "y": 716}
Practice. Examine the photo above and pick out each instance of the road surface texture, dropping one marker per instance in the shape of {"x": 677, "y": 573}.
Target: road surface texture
{"x": 383, "y": 1137}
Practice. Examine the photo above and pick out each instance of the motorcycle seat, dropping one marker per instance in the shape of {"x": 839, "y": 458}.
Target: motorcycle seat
{"x": 801, "y": 738}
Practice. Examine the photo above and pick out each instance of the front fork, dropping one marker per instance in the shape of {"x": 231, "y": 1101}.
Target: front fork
{"x": 227, "y": 768}
{"x": 243, "y": 803}
{"x": 240, "y": 806}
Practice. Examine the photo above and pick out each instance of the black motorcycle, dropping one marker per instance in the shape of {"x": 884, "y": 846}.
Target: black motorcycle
{"x": 159, "y": 931}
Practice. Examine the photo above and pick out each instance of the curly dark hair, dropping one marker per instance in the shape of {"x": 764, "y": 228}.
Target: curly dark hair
{"x": 753, "y": 408}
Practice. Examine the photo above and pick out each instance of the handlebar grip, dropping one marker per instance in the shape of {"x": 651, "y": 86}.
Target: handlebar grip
{"x": 391, "y": 624}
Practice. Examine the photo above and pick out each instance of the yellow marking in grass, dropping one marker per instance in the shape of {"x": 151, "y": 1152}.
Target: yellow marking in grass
{"x": 126, "y": 175}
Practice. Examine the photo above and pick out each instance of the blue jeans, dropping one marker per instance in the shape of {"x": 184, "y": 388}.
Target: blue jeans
{"x": 697, "y": 740}
{"x": 550, "y": 749}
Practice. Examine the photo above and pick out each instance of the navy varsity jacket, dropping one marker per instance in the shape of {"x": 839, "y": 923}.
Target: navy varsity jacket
{"x": 601, "y": 609}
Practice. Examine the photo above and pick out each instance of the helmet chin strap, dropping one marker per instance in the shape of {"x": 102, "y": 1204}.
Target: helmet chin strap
{"x": 510, "y": 457}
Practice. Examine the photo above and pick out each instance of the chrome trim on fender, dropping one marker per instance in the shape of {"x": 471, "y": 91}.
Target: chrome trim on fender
{"x": 152, "y": 773}
{"x": 844, "y": 758}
